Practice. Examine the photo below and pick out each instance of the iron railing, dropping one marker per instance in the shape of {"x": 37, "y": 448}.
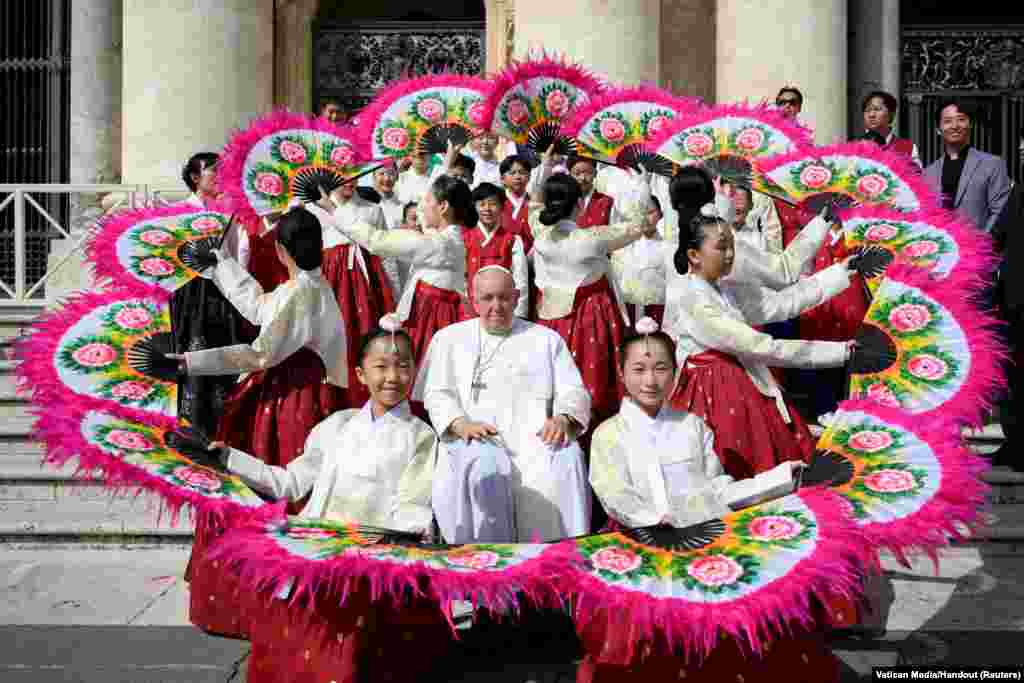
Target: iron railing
{"x": 24, "y": 204}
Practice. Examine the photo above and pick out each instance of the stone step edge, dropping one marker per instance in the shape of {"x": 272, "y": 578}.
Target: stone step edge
{"x": 75, "y": 538}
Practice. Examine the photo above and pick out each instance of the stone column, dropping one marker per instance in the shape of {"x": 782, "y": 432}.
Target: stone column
{"x": 688, "y": 48}
{"x": 618, "y": 39}
{"x": 765, "y": 44}
{"x": 95, "y": 128}
{"x": 500, "y": 26}
{"x": 293, "y": 61}
{"x": 874, "y": 53}
{"x": 194, "y": 70}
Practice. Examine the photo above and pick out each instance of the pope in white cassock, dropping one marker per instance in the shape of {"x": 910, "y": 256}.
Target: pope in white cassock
{"x": 508, "y": 401}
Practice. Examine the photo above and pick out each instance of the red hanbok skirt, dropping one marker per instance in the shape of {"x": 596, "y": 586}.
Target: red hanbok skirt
{"x": 594, "y": 331}
{"x": 802, "y": 658}
{"x": 751, "y": 436}
{"x": 268, "y": 415}
{"x": 358, "y": 641}
{"x": 838, "y": 318}
{"x": 433, "y": 309}
{"x": 363, "y": 301}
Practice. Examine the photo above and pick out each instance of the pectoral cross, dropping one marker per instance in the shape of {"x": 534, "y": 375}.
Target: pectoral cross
{"x": 476, "y": 386}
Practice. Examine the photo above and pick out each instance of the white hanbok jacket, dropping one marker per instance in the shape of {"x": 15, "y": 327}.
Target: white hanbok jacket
{"x": 720, "y": 318}
{"x": 375, "y": 471}
{"x": 648, "y": 469}
{"x": 438, "y": 257}
{"x": 301, "y": 313}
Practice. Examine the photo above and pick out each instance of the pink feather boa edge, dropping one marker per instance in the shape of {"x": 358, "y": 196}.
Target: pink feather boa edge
{"x": 986, "y": 376}
{"x": 267, "y": 567}
{"x": 833, "y": 570}
{"x": 900, "y": 166}
{"x": 37, "y": 375}
{"x": 61, "y": 432}
{"x": 231, "y": 167}
{"x": 544, "y": 66}
{"x": 956, "y": 505}
{"x": 101, "y": 250}
{"x": 371, "y": 116}
{"x": 611, "y": 97}
{"x": 978, "y": 259}
{"x": 798, "y": 135}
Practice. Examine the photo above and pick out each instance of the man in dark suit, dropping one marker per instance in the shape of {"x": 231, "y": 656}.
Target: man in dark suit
{"x": 973, "y": 183}
{"x": 1010, "y": 295}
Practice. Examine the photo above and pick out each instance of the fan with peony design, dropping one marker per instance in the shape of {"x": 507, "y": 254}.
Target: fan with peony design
{"x": 910, "y": 484}
{"x": 926, "y": 349}
{"x": 420, "y": 116}
{"x": 140, "y": 454}
{"x": 311, "y": 557}
{"x": 740, "y": 576}
{"x": 284, "y": 157}
{"x": 616, "y": 127}
{"x": 726, "y": 138}
{"x": 528, "y": 101}
{"x": 851, "y": 174}
{"x": 146, "y": 251}
{"x": 935, "y": 241}
{"x": 101, "y": 351}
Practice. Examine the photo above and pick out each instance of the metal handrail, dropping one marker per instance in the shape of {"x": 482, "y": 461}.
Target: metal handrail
{"x": 19, "y": 196}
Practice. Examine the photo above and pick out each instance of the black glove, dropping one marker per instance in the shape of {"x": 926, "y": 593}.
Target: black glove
{"x": 195, "y": 445}
{"x": 870, "y": 262}
{"x": 198, "y": 254}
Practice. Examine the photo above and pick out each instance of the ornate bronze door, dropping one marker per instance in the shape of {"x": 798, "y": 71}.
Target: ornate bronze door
{"x": 352, "y": 61}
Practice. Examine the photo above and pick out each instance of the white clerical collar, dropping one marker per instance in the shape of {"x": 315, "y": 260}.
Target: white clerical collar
{"x": 566, "y": 224}
{"x": 587, "y": 197}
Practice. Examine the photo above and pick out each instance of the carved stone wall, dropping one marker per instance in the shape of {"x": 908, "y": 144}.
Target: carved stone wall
{"x": 976, "y": 58}
{"x": 353, "y": 61}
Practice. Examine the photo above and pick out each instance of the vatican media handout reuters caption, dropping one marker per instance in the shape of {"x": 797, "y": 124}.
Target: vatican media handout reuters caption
{"x": 910, "y": 673}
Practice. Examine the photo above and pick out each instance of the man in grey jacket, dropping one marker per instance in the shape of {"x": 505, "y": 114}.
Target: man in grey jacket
{"x": 973, "y": 183}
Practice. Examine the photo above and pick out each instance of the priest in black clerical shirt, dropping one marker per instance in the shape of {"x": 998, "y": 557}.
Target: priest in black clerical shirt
{"x": 973, "y": 183}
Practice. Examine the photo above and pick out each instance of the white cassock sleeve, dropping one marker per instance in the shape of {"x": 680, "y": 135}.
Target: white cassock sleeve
{"x": 521, "y": 276}
{"x": 570, "y": 394}
{"x": 760, "y": 305}
{"x": 240, "y": 288}
{"x": 609, "y": 477}
{"x": 291, "y": 482}
{"x": 437, "y": 385}
{"x": 412, "y": 500}
{"x": 285, "y": 327}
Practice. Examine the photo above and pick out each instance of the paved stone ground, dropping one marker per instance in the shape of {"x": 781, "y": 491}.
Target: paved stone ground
{"x": 120, "y": 614}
